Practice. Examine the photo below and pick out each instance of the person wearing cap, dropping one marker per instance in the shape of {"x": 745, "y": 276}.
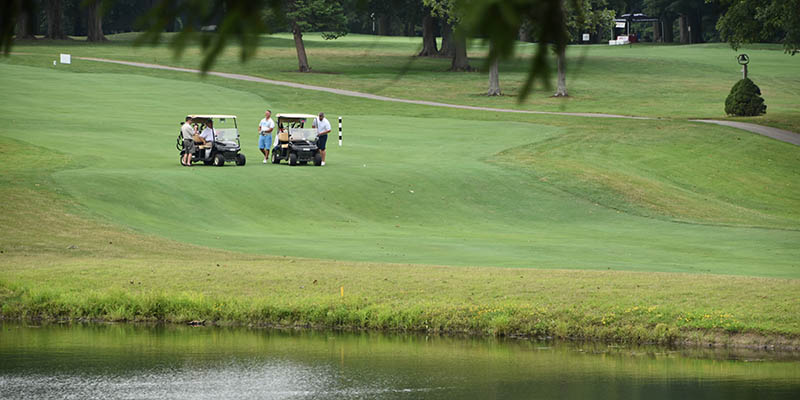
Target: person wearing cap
{"x": 323, "y": 128}
{"x": 187, "y": 131}
{"x": 265, "y": 128}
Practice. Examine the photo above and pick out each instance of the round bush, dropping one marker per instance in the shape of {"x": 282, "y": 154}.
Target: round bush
{"x": 745, "y": 100}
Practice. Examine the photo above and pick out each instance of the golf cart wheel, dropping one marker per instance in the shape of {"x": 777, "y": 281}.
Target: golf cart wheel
{"x": 219, "y": 160}
{"x": 276, "y": 159}
{"x": 318, "y": 159}
{"x": 292, "y": 159}
{"x": 240, "y": 159}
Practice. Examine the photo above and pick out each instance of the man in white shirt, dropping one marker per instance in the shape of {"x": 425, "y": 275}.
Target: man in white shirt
{"x": 207, "y": 136}
{"x": 187, "y": 131}
{"x": 208, "y": 132}
{"x": 265, "y": 128}
{"x": 323, "y": 128}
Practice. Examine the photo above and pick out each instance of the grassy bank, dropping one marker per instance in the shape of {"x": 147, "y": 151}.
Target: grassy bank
{"x": 436, "y": 221}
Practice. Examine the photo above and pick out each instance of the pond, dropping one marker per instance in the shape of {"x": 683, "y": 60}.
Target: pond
{"x": 123, "y": 361}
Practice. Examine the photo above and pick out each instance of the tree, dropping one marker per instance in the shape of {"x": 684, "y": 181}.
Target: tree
{"x": 55, "y": 16}
{"x": 561, "y": 61}
{"x": 494, "y": 78}
{"x": 94, "y": 21}
{"x": 692, "y": 15}
{"x": 499, "y": 21}
{"x": 447, "y": 49}
{"x": 561, "y": 58}
{"x": 745, "y": 100}
{"x": 446, "y": 9}
{"x": 594, "y": 17}
{"x": 662, "y": 10}
{"x": 306, "y": 15}
{"x": 749, "y": 21}
{"x": 16, "y": 17}
{"x": 428, "y": 38}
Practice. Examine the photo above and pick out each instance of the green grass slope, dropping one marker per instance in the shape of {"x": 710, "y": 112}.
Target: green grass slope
{"x": 405, "y": 189}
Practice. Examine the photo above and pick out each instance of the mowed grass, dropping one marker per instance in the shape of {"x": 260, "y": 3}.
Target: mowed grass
{"x": 412, "y": 187}
{"x": 432, "y": 190}
{"x": 647, "y": 80}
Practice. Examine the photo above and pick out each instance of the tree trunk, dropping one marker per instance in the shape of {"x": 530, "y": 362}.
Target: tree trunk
{"x": 25, "y": 26}
{"x": 684, "y": 28}
{"x": 94, "y": 23}
{"x": 55, "y": 17}
{"x": 302, "y": 60}
{"x": 428, "y": 39}
{"x": 447, "y": 50}
{"x": 383, "y": 25}
{"x": 494, "y": 80}
{"x": 561, "y": 91}
{"x": 524, "y": 32}
{"x": 657, "y": 32}
{"x": 668, "y": 37}
{"x": 460, "y": 60}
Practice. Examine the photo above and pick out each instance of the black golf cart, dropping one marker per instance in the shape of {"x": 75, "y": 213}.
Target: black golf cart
{"x": 221, "y": 146}
{"x": 297, "y": 140}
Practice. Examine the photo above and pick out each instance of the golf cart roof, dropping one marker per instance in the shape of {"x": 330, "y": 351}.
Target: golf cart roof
{"x": 211, "y": 116}
{"x": 295, "y": 116}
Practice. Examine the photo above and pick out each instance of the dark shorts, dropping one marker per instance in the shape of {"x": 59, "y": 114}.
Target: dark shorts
{"x": 322, "y": 141}
{"x": 188, "y": 145}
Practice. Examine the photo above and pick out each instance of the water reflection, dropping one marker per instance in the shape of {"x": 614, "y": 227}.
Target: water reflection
{"x": 125, "y": 361}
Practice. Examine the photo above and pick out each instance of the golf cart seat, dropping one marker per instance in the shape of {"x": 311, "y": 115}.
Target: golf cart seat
{"x": 283, "y": 136}
{"x": 208, "y": 145}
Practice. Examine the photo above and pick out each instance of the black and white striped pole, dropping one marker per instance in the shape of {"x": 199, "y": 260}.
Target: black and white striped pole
{"x": 340, "y": 131}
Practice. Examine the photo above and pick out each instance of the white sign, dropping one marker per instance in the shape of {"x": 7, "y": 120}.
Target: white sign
{"x": 585, "y": 37}
{"x": 66, "y": 59}
{"x": 620, "y": 24}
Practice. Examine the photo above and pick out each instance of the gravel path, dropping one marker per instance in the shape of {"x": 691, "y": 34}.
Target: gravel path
{"x": 775, "y": 133}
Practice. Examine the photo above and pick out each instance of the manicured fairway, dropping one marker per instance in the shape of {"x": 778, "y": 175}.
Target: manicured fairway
{"x": 431, "y": 190}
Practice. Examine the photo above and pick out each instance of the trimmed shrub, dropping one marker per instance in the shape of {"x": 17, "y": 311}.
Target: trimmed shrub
{"x": 745, "y": 100}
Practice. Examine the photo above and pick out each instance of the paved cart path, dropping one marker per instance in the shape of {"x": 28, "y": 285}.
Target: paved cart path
{"x": 775, "y": 133}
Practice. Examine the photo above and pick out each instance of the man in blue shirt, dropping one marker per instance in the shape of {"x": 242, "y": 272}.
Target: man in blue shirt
{"x": 265, "y": 128}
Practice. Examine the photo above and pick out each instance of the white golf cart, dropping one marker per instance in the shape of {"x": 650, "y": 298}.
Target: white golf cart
{"x": 224, "y": 147}
{"x": 297, "y": 140}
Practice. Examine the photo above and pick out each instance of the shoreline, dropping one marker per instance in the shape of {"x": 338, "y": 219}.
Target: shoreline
{"x": 681, "y": 339}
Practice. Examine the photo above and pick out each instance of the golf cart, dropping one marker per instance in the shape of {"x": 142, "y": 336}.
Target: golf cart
{"x": 225, "y": 144}
{"x": 297, "y": 140}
